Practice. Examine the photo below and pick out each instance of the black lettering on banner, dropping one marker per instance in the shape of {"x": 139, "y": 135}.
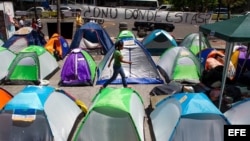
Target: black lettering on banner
{"x": 104, "y": 12}
{"x": 168, "y": 17}
{"x": 86, "y": 12}
{"x": 96, "y": 12}
{"x": 236, "y": 132}
{"x": 135, "y": 14}
{"x": 127, "y": 12}
{"x": 141, "y": 15}
{"x": 186, "y": 17}
{"x": 155, "y": 16}
{"x": 180, "y": 16}
{"x": 115, "y": 15}
{"x": 208, "y": 17}
{"x": 200, "y": 19}
{"x": 194, "y": 18}
{"x": 147, "y": 15}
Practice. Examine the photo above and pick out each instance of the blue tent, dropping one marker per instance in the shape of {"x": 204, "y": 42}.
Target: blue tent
{"x": 92, "y": 36}
{"x": 23, "y": 38}
{"x": 189, "y": 117}
{"x": 39, "y": 113}
{"x": 203, "y": 54}
{"x": 142, "y": 70}
{"x": 158, "y": 41}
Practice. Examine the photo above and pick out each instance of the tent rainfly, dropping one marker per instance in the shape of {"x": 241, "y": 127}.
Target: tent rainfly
{"x": 232, "y": 31}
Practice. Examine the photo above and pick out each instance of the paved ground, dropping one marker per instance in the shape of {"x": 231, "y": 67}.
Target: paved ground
{"x": 87, "y": 93}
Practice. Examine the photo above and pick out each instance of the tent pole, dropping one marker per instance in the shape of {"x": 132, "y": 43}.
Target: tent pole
{"x": 130, "y": 61}
{"x": 246, "y": 57}
{"x": 34, "y": 2}
{"x": 229, "y": 49}
{"x": 58, "y": 17}
{"x": 200, "y": 36}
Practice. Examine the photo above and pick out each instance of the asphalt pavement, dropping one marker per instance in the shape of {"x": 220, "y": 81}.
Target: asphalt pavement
{"x": 112, "y": 27}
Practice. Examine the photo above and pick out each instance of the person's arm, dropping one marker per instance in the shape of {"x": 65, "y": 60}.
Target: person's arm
{"x": 16, "y": 24}
{"x": 123, "y": 61}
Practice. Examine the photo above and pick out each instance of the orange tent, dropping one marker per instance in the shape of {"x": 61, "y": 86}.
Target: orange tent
{"x": 216, "y": 58}
{"x": 57, "y": 46}
{"x": 5, "y": 97}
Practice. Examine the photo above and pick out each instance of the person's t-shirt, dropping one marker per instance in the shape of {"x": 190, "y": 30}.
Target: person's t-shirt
{"x": 21, "y": 23}
{"x": 79, "y": 21}
{"x": 117, "y": 56}
{"x": 39, "y": 24}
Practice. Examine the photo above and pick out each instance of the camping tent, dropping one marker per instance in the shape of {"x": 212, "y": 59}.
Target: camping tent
{"x": 117, "y": 114}
{"x": 92, "y": 36}
{"x": 216, "y": 58}
{"x": 232, "y": 30}
{"x": 7, "y": 57}
{"x": 142, "y": 70}
{"x": 241, "y": 60}
{"x": 189, "y": 117}
{"x": 5, "y": 97}
{"x": 1, "y": 42}
{"x": 158, "y": 41}
{"x": 126, "y": 34}
{"x": 23, "y": 38}
{"x": 192, "y": 42}
{"x": 238, "y": 113}
{"x": 79, "y": 69}
{"x": 57, "y": 44}
{"x": 39, "y": 113}
{"x": 179, "y": 64}
{"x": 31, "y": 65}
{"x": 203, "y": 54}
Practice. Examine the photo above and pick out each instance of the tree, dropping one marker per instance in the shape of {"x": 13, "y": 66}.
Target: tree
{"x": 232, "y": 4}
{"x": 195, "y": 5}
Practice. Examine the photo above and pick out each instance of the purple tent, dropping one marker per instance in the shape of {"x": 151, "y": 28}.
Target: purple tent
{"x": 78, "y": 69}
{"x": 242, "y": 59}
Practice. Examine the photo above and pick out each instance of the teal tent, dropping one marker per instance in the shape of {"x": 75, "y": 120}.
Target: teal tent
{"x": 40, "y": 113}
{"x": 187, "y": 117}
{"x": 232, "y": 31}
{"x": 158, "y": 41}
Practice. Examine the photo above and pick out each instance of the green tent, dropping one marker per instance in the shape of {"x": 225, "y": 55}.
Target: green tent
{"x": 232, "y": 30}
{"x": 124, "y": 34}
{"x": 179, "y": 64}
{"x": 7, "y": 56}
{"x": 31, "y": 65}
{"x": 117, "y": 114}
{"x": 192, "y": 42}
{"x": 236, "y": 29}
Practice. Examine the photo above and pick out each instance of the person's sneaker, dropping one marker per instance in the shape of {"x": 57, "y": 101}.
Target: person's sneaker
{"x": 128, "y": 87}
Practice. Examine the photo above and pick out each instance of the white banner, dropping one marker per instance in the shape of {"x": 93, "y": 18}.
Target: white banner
{"x": 6, "y": 26}
{"x": 175, "y": 17}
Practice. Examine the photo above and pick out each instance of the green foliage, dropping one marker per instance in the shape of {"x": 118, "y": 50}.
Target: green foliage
{"x": 205, "y": 5}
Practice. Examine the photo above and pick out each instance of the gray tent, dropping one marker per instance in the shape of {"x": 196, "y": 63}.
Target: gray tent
{"x": 232, "y": 31}
{"x": 237, "y": 115}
